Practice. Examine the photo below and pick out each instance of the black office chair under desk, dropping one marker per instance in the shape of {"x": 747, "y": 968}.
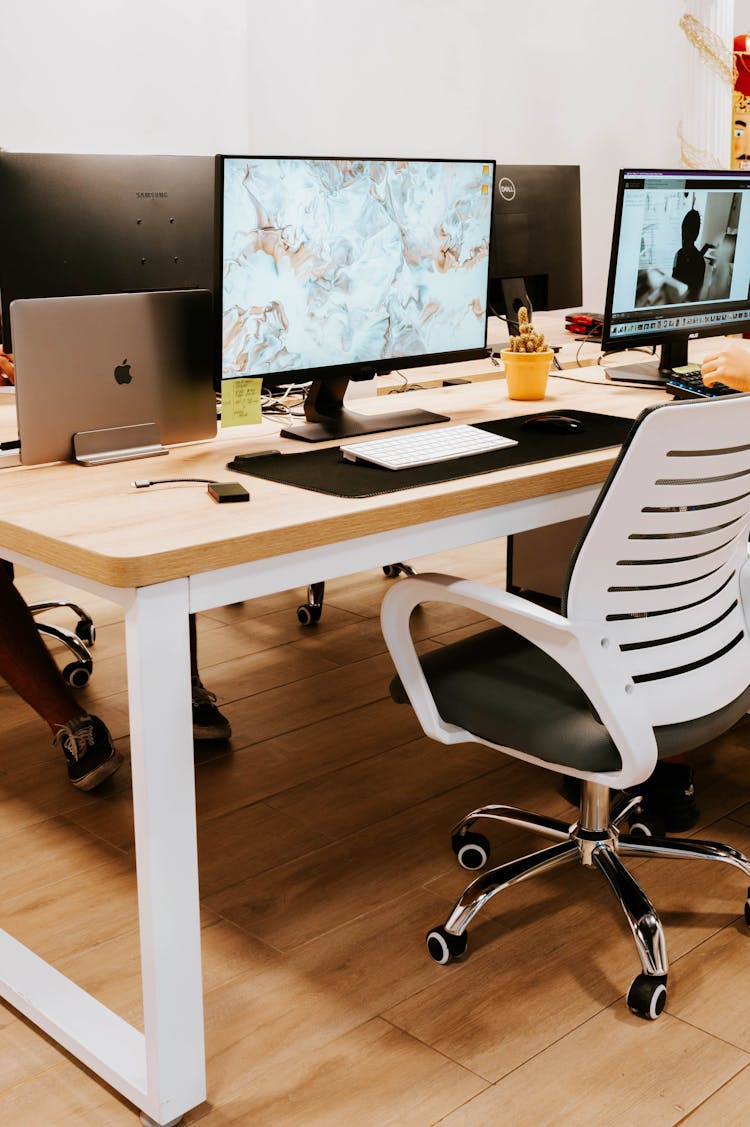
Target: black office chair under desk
{"x": 78, "y": 641}
{"x": 308, "y": 614}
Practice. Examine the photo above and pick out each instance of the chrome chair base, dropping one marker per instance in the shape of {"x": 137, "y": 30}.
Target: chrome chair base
{"x": 594, "y": 841}
{"x": 78, "y": 671}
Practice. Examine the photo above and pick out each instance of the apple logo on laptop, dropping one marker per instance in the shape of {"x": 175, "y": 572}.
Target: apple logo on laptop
{"x": 122, "y": 372}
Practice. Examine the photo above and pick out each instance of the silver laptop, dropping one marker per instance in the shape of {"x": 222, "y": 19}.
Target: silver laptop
{"x": 86, "y": 365}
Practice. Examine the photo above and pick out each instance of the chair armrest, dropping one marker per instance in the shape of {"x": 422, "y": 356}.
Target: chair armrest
{"x": 581, "y": 649}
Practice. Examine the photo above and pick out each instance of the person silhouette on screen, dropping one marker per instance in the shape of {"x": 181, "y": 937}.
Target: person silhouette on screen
{"x": 689, "y": 263}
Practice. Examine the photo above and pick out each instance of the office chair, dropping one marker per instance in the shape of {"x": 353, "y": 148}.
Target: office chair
{"x": 78, "y": 643}
{"x": 650, "y": 657}
{"x": 308, "y": 614}
{"x": 78, "y": 671}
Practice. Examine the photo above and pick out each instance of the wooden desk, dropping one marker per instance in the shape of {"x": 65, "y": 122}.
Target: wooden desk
{"x": 164, "y": 552}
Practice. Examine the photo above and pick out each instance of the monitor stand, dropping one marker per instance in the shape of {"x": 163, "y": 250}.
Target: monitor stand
{"x": 674, "y": 354}
{"x": 515, "y": 296}
{"x": 327, "y": 418}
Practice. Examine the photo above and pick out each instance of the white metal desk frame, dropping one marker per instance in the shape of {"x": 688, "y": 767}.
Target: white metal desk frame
{"x": 162, "y": 1070}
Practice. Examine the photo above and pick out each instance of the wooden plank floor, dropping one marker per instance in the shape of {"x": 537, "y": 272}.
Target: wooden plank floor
{"x": 324, "y": 858}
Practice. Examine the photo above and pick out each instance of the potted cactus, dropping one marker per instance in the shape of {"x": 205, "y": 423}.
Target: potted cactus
{"x": 526, "y": 360}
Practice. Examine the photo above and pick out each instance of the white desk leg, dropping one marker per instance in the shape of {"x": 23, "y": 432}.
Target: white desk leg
{"x": 158, "y": 658}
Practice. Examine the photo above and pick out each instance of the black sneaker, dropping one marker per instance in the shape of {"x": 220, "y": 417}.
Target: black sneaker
{"x": 87, "y": 746}
{"x": 669, "y": 795}
{"x": 208, "y": 722}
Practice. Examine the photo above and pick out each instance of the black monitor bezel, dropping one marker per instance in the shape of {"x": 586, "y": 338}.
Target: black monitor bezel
{"x": 363, "y": 370}
{"x": 637, "y": 339}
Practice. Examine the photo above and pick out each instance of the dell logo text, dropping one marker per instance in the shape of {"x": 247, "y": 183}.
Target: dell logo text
{"x": 506, "y": 188}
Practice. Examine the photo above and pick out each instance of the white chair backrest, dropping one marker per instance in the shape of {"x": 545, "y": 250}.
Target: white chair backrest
{"x": 659, "y": 564}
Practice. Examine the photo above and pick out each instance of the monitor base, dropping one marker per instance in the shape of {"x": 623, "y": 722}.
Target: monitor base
{"x": 673, "y": 354}
{"x": 347, "y": 424}
{"x": 649, "y": 373}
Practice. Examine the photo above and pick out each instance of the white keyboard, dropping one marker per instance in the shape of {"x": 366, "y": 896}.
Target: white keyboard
{"x": 423, "y": 447}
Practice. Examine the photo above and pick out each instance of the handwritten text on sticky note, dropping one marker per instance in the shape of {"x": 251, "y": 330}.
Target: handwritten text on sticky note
{"x": 240, "y": 401}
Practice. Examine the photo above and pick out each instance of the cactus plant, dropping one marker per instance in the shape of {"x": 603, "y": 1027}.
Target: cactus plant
{"x": 528, "y": 340}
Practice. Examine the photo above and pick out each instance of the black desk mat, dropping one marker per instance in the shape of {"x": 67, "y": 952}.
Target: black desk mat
{"x": 324, "y": 471}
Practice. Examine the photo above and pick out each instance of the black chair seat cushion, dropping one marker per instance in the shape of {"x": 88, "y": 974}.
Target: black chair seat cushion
{"x": 503, "y": 689}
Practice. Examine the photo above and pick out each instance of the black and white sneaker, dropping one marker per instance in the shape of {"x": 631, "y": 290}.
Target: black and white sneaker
{"x": 88, "y": 748}
{"x": 208, "y": 722}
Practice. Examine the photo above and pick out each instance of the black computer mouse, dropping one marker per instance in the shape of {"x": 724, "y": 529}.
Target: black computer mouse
{"x": 554, "y": 424}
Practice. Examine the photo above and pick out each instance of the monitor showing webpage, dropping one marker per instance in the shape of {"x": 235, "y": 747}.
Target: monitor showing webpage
{"x": 330, "y": 263}
{"x": 682, "y": 255}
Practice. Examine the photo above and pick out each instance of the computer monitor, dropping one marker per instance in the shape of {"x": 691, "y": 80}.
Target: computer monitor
{"x": 536, "y": 239}
{"x": 680, "y": 265}
{"x": 336, "y": 270}
{"x": 73, "y": 225}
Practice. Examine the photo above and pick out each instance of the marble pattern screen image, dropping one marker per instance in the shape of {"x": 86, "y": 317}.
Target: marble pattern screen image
{"x": 330, "y": 262}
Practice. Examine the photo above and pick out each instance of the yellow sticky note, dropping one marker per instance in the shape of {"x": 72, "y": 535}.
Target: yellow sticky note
{"x": 485, "y": 189}
{"x": 240, "y": 401}
{"x": 485, "y": 170}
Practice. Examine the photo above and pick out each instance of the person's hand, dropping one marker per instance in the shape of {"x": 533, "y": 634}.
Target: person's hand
{"x": 7, "y": 371}
{"x": 730, "y": 366}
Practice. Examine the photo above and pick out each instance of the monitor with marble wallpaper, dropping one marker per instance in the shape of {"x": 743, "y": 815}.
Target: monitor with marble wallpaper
{"x": 338, "y": 269}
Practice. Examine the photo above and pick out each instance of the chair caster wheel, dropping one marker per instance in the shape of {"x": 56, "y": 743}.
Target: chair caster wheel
{"x": 647, "y": 995}
{"x": 471, "y": 849}
{"x": 645, "y": 823}
{"x": 392, "y": 571}
{"x": 76, "y": 674}
{"x": 443, "y": 946}
{"x": 747, "y": 908}
{"x": 86, "y": 631}
{"x": 307, "y": 615}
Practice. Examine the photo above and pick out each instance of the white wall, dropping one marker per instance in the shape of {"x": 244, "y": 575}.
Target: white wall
{"x": 123, "y": 75}
{"x": 585, "y": 81}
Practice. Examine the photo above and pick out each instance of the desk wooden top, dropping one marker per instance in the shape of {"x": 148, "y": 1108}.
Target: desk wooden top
{"x": 92, "y": 522}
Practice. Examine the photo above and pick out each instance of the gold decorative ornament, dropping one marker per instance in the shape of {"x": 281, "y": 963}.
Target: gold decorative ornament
{"x": 713, "y": 51}
{"x": 693, "y": 157}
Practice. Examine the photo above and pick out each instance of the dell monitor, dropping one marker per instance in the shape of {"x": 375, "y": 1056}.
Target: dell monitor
{"x": 75, "y": 225}
{"x": 680, "y": 265}
{"x": 336, "y": 270}
{"x": 536, "y": 239}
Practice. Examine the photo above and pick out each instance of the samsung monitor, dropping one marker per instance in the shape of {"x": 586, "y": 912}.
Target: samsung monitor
{"x": 335, "y": 270}
{"x": 536, "y": 239}
{"x": 680, "y": 265}
{"x": 74, "y": 225}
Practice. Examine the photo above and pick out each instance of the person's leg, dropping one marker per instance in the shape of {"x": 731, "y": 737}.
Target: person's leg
{"x": 26, "y": 663}
{"x": 27, "y": 666}
{"x": 208, "y": 722}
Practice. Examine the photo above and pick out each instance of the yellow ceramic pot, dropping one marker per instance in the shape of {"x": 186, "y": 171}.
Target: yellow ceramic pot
{"x": 526, "y": 373}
